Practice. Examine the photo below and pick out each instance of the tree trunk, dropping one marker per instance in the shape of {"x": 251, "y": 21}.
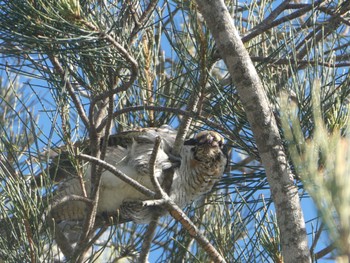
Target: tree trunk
{"x": 263, "y": 124}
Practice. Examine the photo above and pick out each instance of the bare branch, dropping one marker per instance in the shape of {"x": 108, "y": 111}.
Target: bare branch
{"x": 316, "y": 238}
{"x": 119, "y": 174}
{"x": 144, "y": 17}
{"x": 269, "y": 22}
{"x": 30, "y": 240}
{"x": 181, "y": 217}
{"x": 147, "y": 241}
{"x": 158, "y": 189}
{"x": 185, "y": 124}
{"x": 322, "y": 31}
{"x": 266, "y": 24}
{"x": 325, "y": 251}
{"x": 302, "y": 63}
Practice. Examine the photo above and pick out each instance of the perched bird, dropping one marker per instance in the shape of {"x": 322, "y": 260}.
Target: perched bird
{"x": 200, "y": 165}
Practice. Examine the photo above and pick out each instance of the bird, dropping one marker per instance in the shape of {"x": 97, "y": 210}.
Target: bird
{"x": 200, "y": 164}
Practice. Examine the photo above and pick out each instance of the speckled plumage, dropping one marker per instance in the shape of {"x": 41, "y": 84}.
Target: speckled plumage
{"x": 202, "y": 165}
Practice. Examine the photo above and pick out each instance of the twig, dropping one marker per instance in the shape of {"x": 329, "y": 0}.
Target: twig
{"x": 98, "y": 235}
{"x": 181, "y": 217}
{"x": 147, "y": 242}
{"x": 92, "y": 215}
{"x": 70, "y": 90}
{"x": 146, "y": 245}
{"x": 316, "y": 238}
{"x": 185, "y": 124}
{"x": 97, "y": 117}
{"x": 325, "y": 251}
{"x": 301, "y": 63}
{"x": 98, "y": 152}
{"x": 158, "y": 189}
{"x": 96, "y": 125}
{"x": 83, "y": 256}
{"x": 97, "y": 172}
{"x": 322, "y": 31}
{"x": 119, "y": 174}
{"x": 30, "y": 240}
{"x": 144, "y": 17}
{"x": 89, "y": 219}
{"x": 107, "y": 127}
{"x": 195, "y": 100}
{"x": 268, "y": 23}
{"x": 264, "y": 25}
{"x": 133, "y": 63}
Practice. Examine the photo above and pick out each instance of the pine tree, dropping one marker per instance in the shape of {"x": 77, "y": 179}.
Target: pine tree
{"x": 86, "y": 69}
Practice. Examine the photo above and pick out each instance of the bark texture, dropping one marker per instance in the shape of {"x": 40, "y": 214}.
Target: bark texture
{"x": 263, "y": 124}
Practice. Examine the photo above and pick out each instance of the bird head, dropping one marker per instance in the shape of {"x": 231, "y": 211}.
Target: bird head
{"x": 209, "y": 149}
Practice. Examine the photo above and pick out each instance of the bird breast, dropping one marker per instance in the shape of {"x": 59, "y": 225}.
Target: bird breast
{"x": 201, "y": 167}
